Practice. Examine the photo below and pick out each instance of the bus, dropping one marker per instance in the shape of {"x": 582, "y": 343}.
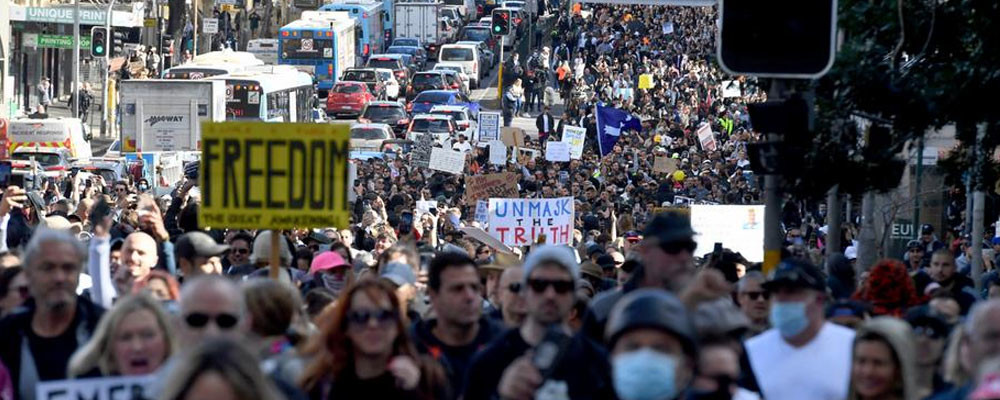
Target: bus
{"x": 265, "y": 49}
{"x": 268, "y": 93}
{"x": 212, "y": 64}
{"x": 370, "y": 16}
{"x": 321, "y": 44}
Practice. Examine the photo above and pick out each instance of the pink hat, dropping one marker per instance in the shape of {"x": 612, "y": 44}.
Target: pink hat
{"x": 989, "y": 388}
{"x": 327, "y": 260}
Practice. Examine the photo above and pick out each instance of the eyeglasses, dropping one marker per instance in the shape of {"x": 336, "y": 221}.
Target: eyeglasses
{"x": 238, "y": 250}
{"x": 758, "y": 295}
{"x": 514, "y": 287}
{"x": 560, "y": 286}
{"x": 222, "y": 320}
{"x": 361, "y": 318}
{"x": 926, "y": 331}
{"x": 120, "y": 189}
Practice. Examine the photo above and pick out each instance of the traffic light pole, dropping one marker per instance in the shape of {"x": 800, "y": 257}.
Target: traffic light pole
{"x": 76, "y": 60}
{"x": 107, "y": 69}
{"x": 500, "y": 75}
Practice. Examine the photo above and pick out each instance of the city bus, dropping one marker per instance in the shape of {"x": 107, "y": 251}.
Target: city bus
{"x": 265, "y": 49}
{"x": 212, "y": 64}
{"x": 321, "y": 44}
{"x": 370, "y": 17}
{"x": 268, "y": 93}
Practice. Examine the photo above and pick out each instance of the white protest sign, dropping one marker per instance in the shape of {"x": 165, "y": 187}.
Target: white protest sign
{"x": 706, "y": 138}
{"x": 730, "y": 89}
{"x": 557, "y": 151}
{"x": 498, "y": 152}
{"x": 575, "y": 136}
{"x": 352, "y": 176}
{"x": 122, "y": 387}
{"x": 521, "y": 222}
{"x": 447, "y": 160}
{"x": 425, "y": 206}
{"x": 482, "y": 212}
{"x": 738, "y": 228}
{"x": 489, "y": 126}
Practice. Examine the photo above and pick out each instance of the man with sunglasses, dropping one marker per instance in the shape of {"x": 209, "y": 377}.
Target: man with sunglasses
{"x": 543, "y": 356}
{"x": 511, "y": 303}
{"x": 754, "y": 301}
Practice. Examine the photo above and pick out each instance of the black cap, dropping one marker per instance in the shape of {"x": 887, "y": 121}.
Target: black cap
{"x": 926, "y": 229}
{"x": 928, "y": 322}
{"x": 652, "y": 308}
{"x": 669, "y": 227}
{"x": 796, "y": 273}
{"x": 318, "y": 237}
{"x": 914, "y": 244}
{"x": 198, "y": 244}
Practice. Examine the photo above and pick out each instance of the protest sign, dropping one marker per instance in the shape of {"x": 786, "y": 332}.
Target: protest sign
{"x": 706, "y": 138}
{"x": 425, "y": 206}
{"x": 482, "y": 213}
{"x": 352, "y": 176}
{"x": 420, "y": 155}
{"x": 520, "y": 222}
{"x": 512, "y": 136}
{"x": 646, "y": 81}
{"x": 681, "y": 200}
{"x": 498, "y": 153}
{"x": 574, "y": 135}
{"x": 557, "y": 151}
{"x": 739, "y": 228}
{"x": 482, "y": 187}
{"x": 664, "y": 164}
{"x": 111, "y": 388}
{"x": 258, "y": 175}
{"x": 489, "y": 126}
{"x": 447, "y": 160}
{"x": 730, "y": 89}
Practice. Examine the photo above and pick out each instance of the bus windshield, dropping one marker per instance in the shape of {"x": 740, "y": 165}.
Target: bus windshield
{"x": 242, "y": 100}
{"x": 307, "y": 48}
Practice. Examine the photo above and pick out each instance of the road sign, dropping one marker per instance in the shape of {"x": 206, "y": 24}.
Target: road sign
{"x": 210, "y": 25}
{"x": 258, "y": 175}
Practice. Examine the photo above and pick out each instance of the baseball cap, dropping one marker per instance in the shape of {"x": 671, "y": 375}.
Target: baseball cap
{"x": 632, "y": 236}
{"x": 198, "y": 244}
{"x": 926, "y": 229}
{"x": 796, "y": 273}
{"x": 914, "y": 244}
{"x": 327, "y": 260}
{"x": 398, "y": 273}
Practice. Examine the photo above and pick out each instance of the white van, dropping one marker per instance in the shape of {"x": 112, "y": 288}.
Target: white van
{"x": 50, "y": 133}
{"x": 468, "y": 56}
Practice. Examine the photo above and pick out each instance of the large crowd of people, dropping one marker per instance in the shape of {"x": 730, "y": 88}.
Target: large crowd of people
{"x": 105, "y": 279}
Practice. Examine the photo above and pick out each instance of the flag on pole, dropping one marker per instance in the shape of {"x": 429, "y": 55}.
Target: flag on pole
{"x": 610, "y": 124}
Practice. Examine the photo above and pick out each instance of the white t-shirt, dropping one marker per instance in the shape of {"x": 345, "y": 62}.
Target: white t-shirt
{"x": 820, "y": 370}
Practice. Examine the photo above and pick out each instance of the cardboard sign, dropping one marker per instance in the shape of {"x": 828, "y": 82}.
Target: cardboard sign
{"x": 664, "y": 164}
{"x": 112, "y": 388}
{"x": 489, "y": 126}
{"x": 259, "y": 175}
{"x": 575, "y": 136}
{"x": 646, "y": 81}
{"x": 706, "y": 138}
{"x": 498, "y": 153}
{"x": 731, "y": 89}
{"x": 481, "y": 187}
{"x": 511, "y": 136}
{"x": 521, "y": 222}
{"x": 420, "y": 155}
{"x": 447, "y": 160}
{"x": 557, "y": 151}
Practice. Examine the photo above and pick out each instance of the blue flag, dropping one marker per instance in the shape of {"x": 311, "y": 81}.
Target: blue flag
{"x": 610, "y": 124}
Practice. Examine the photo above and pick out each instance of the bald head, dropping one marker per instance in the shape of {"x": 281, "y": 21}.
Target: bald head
{"x": 983, "y": 328}
{"x": 208, "y": 303}
{"x": 139, "y": 254}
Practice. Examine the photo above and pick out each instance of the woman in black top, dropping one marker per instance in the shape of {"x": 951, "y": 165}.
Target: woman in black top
{"x": 362, "y": 351}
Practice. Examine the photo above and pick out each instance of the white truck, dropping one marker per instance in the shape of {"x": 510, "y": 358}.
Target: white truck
{"x": 420, "y": 20}
{"x": 165, "y": 115}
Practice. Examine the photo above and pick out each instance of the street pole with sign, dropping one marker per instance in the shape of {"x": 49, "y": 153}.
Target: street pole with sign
{"x": 76, "y": 60}
{"x": 105, "y": 130}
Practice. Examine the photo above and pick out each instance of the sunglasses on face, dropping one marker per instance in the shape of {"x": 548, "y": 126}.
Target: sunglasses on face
{"x": 361, "y": 318}
{"x": 240, "y": 251}
{"x": 758, "y": 295}
{"x": 199, "y": 320}
{"x": 560, "y": 286}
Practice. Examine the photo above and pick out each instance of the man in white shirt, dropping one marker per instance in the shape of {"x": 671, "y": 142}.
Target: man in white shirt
{"x": 462, "y": 144}
{"x": 802, "y": 356}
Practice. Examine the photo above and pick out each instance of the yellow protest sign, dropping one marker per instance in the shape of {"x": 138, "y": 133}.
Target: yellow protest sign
{"x": 259, "y": 175}
{"x": 646, "y": 81}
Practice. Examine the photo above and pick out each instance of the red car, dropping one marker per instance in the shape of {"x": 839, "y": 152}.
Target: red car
{"x": 348, "y": 98}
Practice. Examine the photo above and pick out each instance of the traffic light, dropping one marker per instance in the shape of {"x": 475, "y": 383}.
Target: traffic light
{"x": 98, "y": 41}
{"x": 117, "y": 42}
{"x": 501, "y": 22}
{"x": 750, "y": 30}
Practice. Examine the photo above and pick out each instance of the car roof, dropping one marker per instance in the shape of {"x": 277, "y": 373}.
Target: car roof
{"x": 453, "y": 64}
{"x": 460, "y": 45}
{"x": 345, "y": 83}
{"x": 432, "y": 116}
{"x": 449, "y": 108}
{"x": 439, "y": 91}
{"x": 384, "y": 103}
{"x": 359, "y": 69}
{"x": 430, "y": 72}
{"x": 470, "y": 42}
{"x": 372, "y": 126}
{"x": 393, "y": 56}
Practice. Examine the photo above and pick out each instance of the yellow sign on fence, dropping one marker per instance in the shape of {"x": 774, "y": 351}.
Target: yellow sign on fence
{"x": 258, "y": 175}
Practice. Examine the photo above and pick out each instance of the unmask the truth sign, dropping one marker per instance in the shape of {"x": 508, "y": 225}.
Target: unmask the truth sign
{"x": 520, "y": 222}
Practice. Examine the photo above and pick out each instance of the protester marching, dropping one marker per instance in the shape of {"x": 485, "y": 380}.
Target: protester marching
{"x": 615, "y": 251}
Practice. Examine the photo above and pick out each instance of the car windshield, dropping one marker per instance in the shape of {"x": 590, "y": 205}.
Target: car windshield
{"x": 363, "y": 76}
{"x": 455, "y": 68}
{"x": 456, "y": 115}
{"x": 347, "y": 89}
{"x": 383, "y": 63}
{"x": 457, "y": 54}
{"x": 379, "y": 113}
{"x": 44, "y": 159}
{"x": 405, "y": 42}
{"x": 427, "y": 79}
{"x": 476, "y": 34}
{"x": 401, "y": 50}
{"x": 433, "y": 97}
{"x": 368, "y": 133}
{"x": 437, "y": 125}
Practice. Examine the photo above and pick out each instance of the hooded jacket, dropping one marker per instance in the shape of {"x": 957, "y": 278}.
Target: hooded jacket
{"x": 899, "y": 336}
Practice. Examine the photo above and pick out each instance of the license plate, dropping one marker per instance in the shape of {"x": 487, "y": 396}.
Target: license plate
{"x": 345, "y": 107}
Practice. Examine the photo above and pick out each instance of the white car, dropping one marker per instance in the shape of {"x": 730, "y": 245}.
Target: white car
{"x": 369, "y": 137}
{"x": 458, "y": 68}
{"x": 442, "y": 127}
{"x": 391, "y": 84}
{"x": 468, "y": 56}
{"x": 462, "y": 117}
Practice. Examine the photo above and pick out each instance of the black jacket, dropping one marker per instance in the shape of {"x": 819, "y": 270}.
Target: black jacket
{"x": 454, "y": 360}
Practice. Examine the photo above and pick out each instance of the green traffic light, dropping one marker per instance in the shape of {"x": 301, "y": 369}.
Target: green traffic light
{"x": 100, "y": 49}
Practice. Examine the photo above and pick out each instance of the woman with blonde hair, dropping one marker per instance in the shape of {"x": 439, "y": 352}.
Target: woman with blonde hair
{"x": 133, "y": 338}
{"x": 219, "y": 369}
{"x": 884, "y": 364}
{"x": 362, "y": 351}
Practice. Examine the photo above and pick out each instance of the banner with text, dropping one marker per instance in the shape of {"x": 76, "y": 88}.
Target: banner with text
{"x": 521, "y": 222}
{"x": 447, "y": 160}
{"x": 489, "y": 126}
{"x": 575, "y": 136}
{"x": 557, "y": 151}
{"x": 738, "y": 228}
{"x": 258, "y": 175}
{"x": 481, "y": 187}
{"x": 113, "y": 388}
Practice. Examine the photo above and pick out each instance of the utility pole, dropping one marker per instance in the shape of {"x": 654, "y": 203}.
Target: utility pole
{"x": 75, "y": 91}
{"x": 105, "y": 129}
{"x": 916, "y": 187}
{"x": 833, "y": 218}
{"x": 866, "y": 238}
{"x": 978, "y": 208}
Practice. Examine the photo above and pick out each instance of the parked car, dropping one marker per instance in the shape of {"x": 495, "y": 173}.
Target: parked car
{"x": 395, "y": 62}
{"x": 466, "y": 54}
{"x": 457, "y": 68}
{"x": 369, "y": 137}
{"x": 370, "y": 77}
{"x": 386, "y": 112}
{"x": 461, "y": 116}
{"x": 348, "y": 98}
{"x": 425, "y": 100}
{"x": 427, "y": 80}
{"x": 392, "y": 86}
{"x": 443, "y": 127}
{"x": 418, "y": 53}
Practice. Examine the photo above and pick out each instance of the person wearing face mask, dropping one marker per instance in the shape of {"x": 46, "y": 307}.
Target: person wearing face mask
{"x": 803, "y": 356}
{"x": 329, "y": 270}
